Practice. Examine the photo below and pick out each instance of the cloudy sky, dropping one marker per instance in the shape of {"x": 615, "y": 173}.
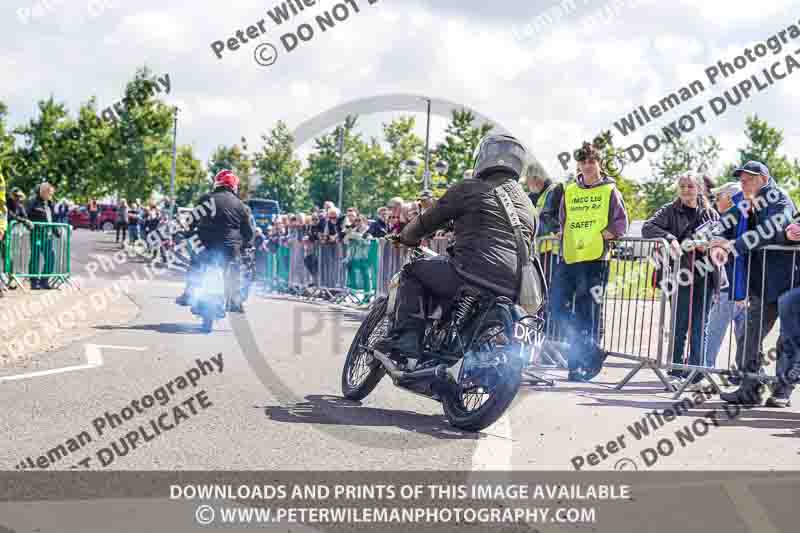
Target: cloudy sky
{"x": 552, "y": 84}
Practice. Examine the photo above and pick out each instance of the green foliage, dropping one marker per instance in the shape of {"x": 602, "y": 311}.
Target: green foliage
{"x": 89, "y": 157}
{"x": 191, "y": 179}
{"x": 280, "y": 170}
{"x": 764, "y": 143}
{"x": 461, "y": 139}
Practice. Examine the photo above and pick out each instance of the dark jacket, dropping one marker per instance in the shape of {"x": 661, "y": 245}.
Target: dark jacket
{"x": 766, "y": 225}
{"x": 16, "y": 210}
{"x": 228, "y": 224}
{"x": 39, "y": 210}
{"x": 378, "y": 228}
{"x": 332, "y": 231}
{"x": 485, "y": 249}
{"x": 548, "y": 215}
{"x": 677, "y": 222}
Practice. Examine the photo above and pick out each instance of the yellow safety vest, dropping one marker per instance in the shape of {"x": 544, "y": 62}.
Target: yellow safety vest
{"x": 546, "y": 245}
{"x": 586, "y": 218}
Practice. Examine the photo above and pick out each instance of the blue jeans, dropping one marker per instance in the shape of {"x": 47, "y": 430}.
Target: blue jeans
{"x": 789, "y": 313}
{"x": 579, "y": 326}
{"x": 722, "y": 314}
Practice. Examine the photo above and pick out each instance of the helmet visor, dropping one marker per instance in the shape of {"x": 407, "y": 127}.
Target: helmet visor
{"x": 502, "y": 152}
{"x": 496, "y": 149}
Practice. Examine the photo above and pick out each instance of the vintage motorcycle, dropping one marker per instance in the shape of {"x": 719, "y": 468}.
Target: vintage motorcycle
{"x": 208, "y": 300}
{"x": 474, "y": 351}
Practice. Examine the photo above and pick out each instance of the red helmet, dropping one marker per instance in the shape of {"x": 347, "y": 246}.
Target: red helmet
{"x": 226, "y": 178}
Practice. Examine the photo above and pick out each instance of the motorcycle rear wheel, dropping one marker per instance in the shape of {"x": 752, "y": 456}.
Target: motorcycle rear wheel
{"x": 361, "y": 372}
{"x": 464, "y": 409}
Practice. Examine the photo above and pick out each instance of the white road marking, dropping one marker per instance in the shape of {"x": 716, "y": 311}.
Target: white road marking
{"x": 495, "y": 449}
{"x": 94, "y": 359}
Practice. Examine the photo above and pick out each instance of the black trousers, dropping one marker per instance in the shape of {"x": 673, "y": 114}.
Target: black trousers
{"x": 432, "y": 276}
{"x": 121, "y": 227}
{"x": 697, "y": 303}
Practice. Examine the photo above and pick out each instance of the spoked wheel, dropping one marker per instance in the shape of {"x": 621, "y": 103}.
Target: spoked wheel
{"x": 489, "y": 380}
{"x": 362, "y": 372}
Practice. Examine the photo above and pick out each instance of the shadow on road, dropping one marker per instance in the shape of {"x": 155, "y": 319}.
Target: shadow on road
{"x": 171, "y": 328}
{"x": 335, "y": 410}
{"x": 753, "y": 417}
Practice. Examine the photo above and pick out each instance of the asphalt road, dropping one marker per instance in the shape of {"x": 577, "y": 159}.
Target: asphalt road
{"x": 277, "y": 404}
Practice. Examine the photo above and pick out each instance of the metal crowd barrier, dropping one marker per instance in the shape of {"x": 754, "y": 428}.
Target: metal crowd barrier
{"x": 637, "y": 315}
{"x": 627, "y": 313}
{"x": 334, "y": 271}
{"x": 42, "y": 252}
{"x": 731, "y": 334}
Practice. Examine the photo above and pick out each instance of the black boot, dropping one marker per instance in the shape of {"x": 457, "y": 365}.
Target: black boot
{"x": 406, "y": 343}
{"x": 749, "y": 393}
{"x": 404, "y": 339}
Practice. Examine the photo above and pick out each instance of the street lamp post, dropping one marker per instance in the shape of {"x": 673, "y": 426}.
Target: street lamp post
{"x": 341, "y": 165}
{"x": 427, "y": 175}
{"x": 174, "y": 165}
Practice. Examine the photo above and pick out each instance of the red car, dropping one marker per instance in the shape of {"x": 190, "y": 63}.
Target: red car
{"x": 79, "y": 217}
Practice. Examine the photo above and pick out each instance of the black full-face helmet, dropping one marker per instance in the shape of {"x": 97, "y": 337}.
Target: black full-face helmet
{"x": 499, "y": 153}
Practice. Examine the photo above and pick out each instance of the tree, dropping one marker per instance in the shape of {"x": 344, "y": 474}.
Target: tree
{"x": 139, "y": 150}
{"x": 322, "y": 174}
{"x": 191, "y": 179}
{"x": 38, "y": 158}
{"x": 461, "y": 139}
{"x": 764, "y": 143}
{"x": 280, "y": 170}
{"x": 7, "y": 152}
{"x": 403, "y": 145}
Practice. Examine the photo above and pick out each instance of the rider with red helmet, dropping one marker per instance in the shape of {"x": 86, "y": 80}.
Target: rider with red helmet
{"x": 224, "y": 230}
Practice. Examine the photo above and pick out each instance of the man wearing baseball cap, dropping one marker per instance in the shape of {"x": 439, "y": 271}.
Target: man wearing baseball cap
{"x": 425, "y": 200}
{"x": 768, "y": 212}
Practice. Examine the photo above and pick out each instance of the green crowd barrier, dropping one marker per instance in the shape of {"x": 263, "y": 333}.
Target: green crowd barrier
{"x": 362, "y": 272}
{"x": 42, "y": 252}
{"x": 270, "y": 270}
{"x": 284, "y": 258}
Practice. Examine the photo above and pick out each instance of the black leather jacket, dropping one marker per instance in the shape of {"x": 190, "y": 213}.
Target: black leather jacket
{"x": 230, "y": 226}
{"x": 485, "y": 249}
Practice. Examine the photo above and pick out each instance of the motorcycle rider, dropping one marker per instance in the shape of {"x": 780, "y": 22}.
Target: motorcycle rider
{"x": 224, "y": 232}
{"x": 485, "y": 249}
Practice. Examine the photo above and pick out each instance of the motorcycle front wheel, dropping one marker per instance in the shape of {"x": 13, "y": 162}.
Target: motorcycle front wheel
{"x": 362, "y": 372}
{"x": 490, "y": 378}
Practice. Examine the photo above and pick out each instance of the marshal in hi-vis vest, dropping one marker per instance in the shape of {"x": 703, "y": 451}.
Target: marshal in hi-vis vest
{"x": 550, "y": 244}
{"x": 586, "y": 218}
